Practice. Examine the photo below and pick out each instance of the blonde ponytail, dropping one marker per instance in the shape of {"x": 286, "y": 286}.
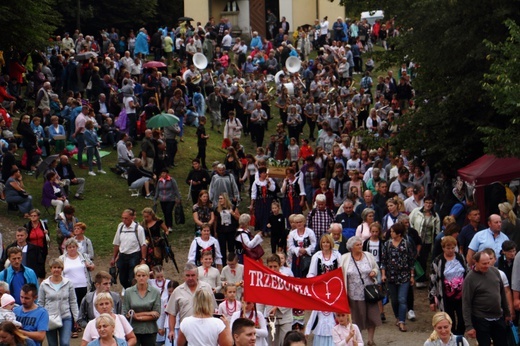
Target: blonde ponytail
{"x": 438, "y": 317}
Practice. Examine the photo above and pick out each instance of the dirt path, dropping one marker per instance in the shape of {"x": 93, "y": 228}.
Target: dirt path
{"x": 387, "y": 334}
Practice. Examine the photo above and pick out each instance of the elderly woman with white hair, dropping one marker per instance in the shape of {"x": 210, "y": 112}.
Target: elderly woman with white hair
{"x": 510, "y": 222}
{"x": 360, "y": 269}
{"x": 142, "y": 307}
{"x": 363, "y": 230}
{"x": 244, "y": 237}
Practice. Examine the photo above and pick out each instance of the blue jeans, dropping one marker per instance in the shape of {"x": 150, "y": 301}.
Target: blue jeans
{"x": 24, "y": 203}
{"x": 139, "y": 183}
{"x": 398, "y": 297}
{"x": 91, "y": 153}
{"x": 80, "y": 142}
{"x": 64, "y": 334}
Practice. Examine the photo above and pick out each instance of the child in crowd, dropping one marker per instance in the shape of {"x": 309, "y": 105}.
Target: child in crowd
{"x": 250, "y": 312}
{"x": 230, "y": 305}
{"x": 374, "y": 245}
{"x": 276, "y": 226}
{"x": 285, "y": 269}
{"x": 162, "y": 322}
{"x": 92, "y": 144}
{"x": 321, "y": 324}
{"x": 324, "y": 190}
{"x": 293, "y": 150}
{"x": 159, "y": 281}
{"x": 6, "y": 310}
{"x": 345, "y": 332}
{"x": 209, "y": 274}
{"x": 233, "y": 274}
{"x": 305, "y": 150}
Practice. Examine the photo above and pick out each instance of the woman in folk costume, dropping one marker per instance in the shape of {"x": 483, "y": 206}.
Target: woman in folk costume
{"x": 205, "y": 242}
{"x": 261, "y": 198}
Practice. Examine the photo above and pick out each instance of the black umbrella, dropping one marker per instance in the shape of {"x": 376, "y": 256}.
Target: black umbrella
{"x": 169, "y": 251}
{"x": 185, "y": 19}
{"x": 44, "y": 165}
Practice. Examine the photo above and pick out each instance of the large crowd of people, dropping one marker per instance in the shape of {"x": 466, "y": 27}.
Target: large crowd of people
{"x": 321, "y": 195}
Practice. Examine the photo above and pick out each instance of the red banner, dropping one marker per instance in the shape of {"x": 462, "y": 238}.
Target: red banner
{"x": 326, "y": 292}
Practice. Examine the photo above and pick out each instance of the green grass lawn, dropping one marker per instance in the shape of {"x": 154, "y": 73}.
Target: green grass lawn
{"x": 106, "y": 196}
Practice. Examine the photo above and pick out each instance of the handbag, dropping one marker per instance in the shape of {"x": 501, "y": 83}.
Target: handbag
{"x": 89, "y": 84}
{"x": 419, "y": 271}
{"x": 113, "y": 273}
{"x": 374, "y": 292}
{"x": 55, "y": 321}
{"x": 179, "y": 214}
{"x": 254, "y": 253}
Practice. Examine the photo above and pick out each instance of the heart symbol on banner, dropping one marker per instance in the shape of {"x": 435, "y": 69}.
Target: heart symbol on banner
{"x": 328, "y": 291}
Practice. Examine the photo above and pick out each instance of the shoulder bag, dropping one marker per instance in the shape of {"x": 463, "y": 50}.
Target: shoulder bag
{"x": 55, "y": 321}
{"x": 255, "y": 252}
{"x": 374, "y": 292}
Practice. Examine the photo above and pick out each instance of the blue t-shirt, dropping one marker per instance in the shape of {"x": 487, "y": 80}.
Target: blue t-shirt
{"x": 16, "y": 286}
{"x": 33, "y": 320}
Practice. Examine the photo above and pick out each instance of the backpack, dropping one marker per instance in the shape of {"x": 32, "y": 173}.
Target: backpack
{"x": 348, "y": 232}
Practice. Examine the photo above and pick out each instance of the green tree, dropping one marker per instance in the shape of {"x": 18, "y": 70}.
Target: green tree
{"x": 122, "y": 14}
{"x": 503, "y": 85}
{"x": 445, "y": 38}
{"x": 93, "y": 15}
{"x": 76, "y": 14}
{"x": 27, "y": 24}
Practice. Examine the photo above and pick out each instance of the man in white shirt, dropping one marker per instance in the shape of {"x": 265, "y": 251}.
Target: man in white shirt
{"x": 415, "y": 201}
{"x": 129, "y": 248}
{"x": 67, "y": 43}
{"x": 127, "y": 61}
{"x": 226, "y": 41}
{"x": 181, "y": 300}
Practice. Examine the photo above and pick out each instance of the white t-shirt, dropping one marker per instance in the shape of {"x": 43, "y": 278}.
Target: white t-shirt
{"x": 122, "y": 328}
{"x": 353, "y": 164}
{"x": 373, "y": 248}
{"x": 324, "y": 30}
{"x": 126, "y": 101}
{"x": 202, "y": 331}
{"x": 74, "y": 270}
